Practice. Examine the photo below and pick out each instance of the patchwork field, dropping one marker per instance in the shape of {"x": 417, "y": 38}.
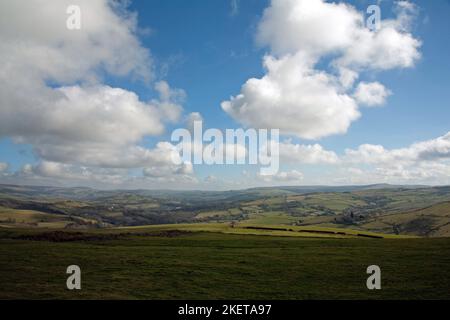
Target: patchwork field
{"x": 429, "y": 221}
{"x": 417, "y": 211}
{"x": 30, "y": 217}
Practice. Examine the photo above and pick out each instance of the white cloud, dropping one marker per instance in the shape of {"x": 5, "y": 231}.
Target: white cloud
{"x": 157, "y": 163}
{"x": 314, "y": 27}
{"x": 160, "y": 164}
{"x": 115, "y": 157}
{"x": 421, "y": 173}
{"x": 422, "y": 162}
{"x": 214, "y": 152}
{"x": 384, "y": 50}
{"x": 371, "y": 94}
{"x": 185, "y": 169}
{"x": 298, "y": 98}
{"x": 295, "y": 98}
{"x": 169, "y": 102}
{"x": 292, "y": 176}
{"x": 36, "y": 41}
{"x": 392, "y": 46}
{"x": 211, "y": 179}
{"x": 50, "y": 169}
{"x": 51, "y": 91}
{"x": 3, "y": 167}
{"x": 47, "y": 172}
{"x": 97, "y": 114}
{"x": 430, "y": 150}
{"x": 96, "y": 125}
{"x": 191, "y": 119}
{"x": 308, "y": 154}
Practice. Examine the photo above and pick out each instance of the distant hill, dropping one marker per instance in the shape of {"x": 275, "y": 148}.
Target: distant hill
{"x": 389, "y": 209}
{"x": 89, "y": 193}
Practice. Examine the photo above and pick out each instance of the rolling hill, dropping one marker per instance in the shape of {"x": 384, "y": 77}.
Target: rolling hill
{"x": 399, "y": 210}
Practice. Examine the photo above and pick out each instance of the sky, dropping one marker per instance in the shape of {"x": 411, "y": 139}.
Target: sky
{"x": 96, "y": 106}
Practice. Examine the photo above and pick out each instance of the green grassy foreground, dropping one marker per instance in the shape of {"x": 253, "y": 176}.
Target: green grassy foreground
{"x": 207, "y": 265}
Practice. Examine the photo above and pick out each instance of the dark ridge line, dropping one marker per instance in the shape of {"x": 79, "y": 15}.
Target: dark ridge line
{"x": 316, "y": 231}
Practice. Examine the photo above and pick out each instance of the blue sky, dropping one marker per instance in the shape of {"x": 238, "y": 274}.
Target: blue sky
{"x": 209, "y": 50}
{"x": 215, "y": 53}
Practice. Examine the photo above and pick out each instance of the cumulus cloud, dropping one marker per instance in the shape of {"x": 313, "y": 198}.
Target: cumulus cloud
{"x": 307, "y": 154}
{"x": 164, "y": 161}
{"x": 157, "y": 164}
{"x": 48, "y": 169}
{"x": 211, "y": 152}
{"x": 3, "y": 167}
{"x": 422, "y": 173}
{"x": 185, "y": 169}
{"x": 169, "y": 102}
{"x": 292, "y": 176}
{"x": 371, "y": 94}
{"x": 292, "y": 153}
{"x": 83, "y": 114}
{"x": 47, "y": 172}
{"x": 191, "y": 119}
{"x": 299, "y": 98}
{"x": 430, "y": 150}
{"x": 52, "y": 91}
{"x": 315, "y": 27}
{"x": 158, "y": 160}
{"x": 295, "y": 98}
{"x": 36, "y": 41}
{"x": 425, "y": 161}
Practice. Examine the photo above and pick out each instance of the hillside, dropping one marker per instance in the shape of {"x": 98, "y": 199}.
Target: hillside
{"x": 432, "y": 221}
{"x": 401, "y": 210}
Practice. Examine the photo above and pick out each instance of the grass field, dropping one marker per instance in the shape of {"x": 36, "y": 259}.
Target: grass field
{"x": 250, "y": 228}
{"x": 147, "y": 263}
{"x": 31, "y": 217}
{"x": 254, "y": 244}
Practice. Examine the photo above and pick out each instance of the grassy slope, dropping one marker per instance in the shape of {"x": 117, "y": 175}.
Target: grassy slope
{"x": 250, "y": 228}
{"x": 16, "y": 218}
{"x": 215, "y": 266}
{"x": 258, "y": 207}
{"x": 421, "y": 212}
{"x": 28, "y": 217}
{"x": 430, "y": 221}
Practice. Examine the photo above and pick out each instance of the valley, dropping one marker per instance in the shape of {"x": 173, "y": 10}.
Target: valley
{"x": 394, "y": 210}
